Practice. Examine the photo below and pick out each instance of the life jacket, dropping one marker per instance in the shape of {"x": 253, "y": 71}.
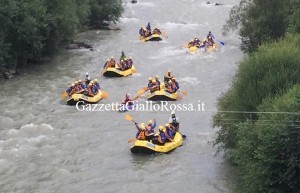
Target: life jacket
{"x": 78, "y": 88}
{"x": 153, "y": 87}
{"x": 170, "y": 88}
{"x": 149, "y": 129}
{"x": 130, "y": 62}
{"x": 129, "y": 101}
{"x": 122, "y": 65}
{"x": 142, "y": 32}
{"x": 150, "y": 84}
{"x": 107, "y": 64}
{"x": 190, "y": 44}
{"x": 156, "y": 31}
{"x": 196, "y": 42}
{"x": 174, "y": 122}
{"x": 141, "y": 135}
{"x": 169, "y": 133}
{"x": 72, "y": 91}
{"x": 161, "y": 137}
{"x": 90, "y": 92}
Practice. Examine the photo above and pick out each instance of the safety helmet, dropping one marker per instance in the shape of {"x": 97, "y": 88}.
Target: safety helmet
{"x": 169, "y": 70}
{"x": 156, "y": 76}
{"x": 90, "y": 84}
{"x": 76, "y": 82}
{"x": 167, "y": 125}
{"x": 150, "y": 122}
{"x": 160, "y": 128}
{"x": 130, "y": 57}
{"x": 72, "y": 84}
{"x": 150, "y": 78}
{"x": 173, "y": 113}
{"x": 107, "y": 60}
{"x": 170, "y": 81}
{"x": 112, "y": 57}
{"x": 86, "y": 73}
{"x": 154, "y": 81}
{"x": 125, "y": 58}
{"x": 142, "y": 26}
{"x": 89, "y": 78}
{"x": 79, "y": 80}
{"x": 122, "y": 60}
{"x": 142, "y": 126}
{"x": 95, "y": 80}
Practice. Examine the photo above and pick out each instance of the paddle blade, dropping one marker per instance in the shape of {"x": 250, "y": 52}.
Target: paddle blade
{"x": 142, "y": 90}
{"x": 63, "y": 95}
{"x": 222, "y": 43}
{"x": 136, "y": 97}
{"x": 132, "y": 140}
{"x": 104, "y": 95}
{"x": 165, "y": 34}
{"x": 133, "y": 70}
{"x": 185, "y": 45}
{"x": 128, "y": 117}
{"x": 184, "y": 92}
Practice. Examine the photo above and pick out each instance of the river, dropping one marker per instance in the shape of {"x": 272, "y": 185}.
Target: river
{"x": 47, "y": 146}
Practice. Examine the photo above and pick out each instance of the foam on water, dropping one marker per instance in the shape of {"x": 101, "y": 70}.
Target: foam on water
{"x": 190, "y": 80}
{"x": 125, "y": 20}
{"x": 183, "y": 25}
{"x": 168, "y": 51}
{"x": 141, "y": 4}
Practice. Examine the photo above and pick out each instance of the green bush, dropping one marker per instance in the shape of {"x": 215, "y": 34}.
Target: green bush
{"x": 272, "y": 70}
{"x": 34, "y": 28}
{"x": 260, "y": 21}
{"x": 268, "y": 150}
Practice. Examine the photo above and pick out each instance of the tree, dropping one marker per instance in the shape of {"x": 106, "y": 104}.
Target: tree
{"x": 268, "y": 150}
{"x": 272, "y": 70}
{"x": 260, "y": 21}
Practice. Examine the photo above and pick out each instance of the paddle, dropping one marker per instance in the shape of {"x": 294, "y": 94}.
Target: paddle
{"x": 64, "y": 95}
{"x": 104, "y": 95}
{"x": 221, "y": 42}
{"x": 132, "y": 140}
{"x": 133, "y": 70}
{"x": 165, "y": 34}
{"x": 182, "y": 92}
{"x": 183, "y": 136}
{"x": 129, "y": 118}
{"x": 140, "y": 92}
{"x": 185, "y": 45}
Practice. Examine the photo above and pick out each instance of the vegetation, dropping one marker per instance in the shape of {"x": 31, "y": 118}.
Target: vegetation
{"x": 34, "y": 28}
{"x": 260, "y": 21}
{"x": 268, "y": 150}
{"x": 259, "y": 116}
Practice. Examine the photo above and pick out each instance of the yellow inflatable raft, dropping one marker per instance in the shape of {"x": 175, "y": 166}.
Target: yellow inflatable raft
{"x": 153, "y": 37}
{"x": 162, "y": 95}
{"x": 87, "y": 99}
{"x": 146, "y": 147}
{"x": 193, "y": 49}
{"x": 116, "y": 72}
{"x": 211, "y": 48}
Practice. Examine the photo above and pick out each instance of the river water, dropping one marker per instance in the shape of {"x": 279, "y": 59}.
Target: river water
{"x": 47, "y": 146}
